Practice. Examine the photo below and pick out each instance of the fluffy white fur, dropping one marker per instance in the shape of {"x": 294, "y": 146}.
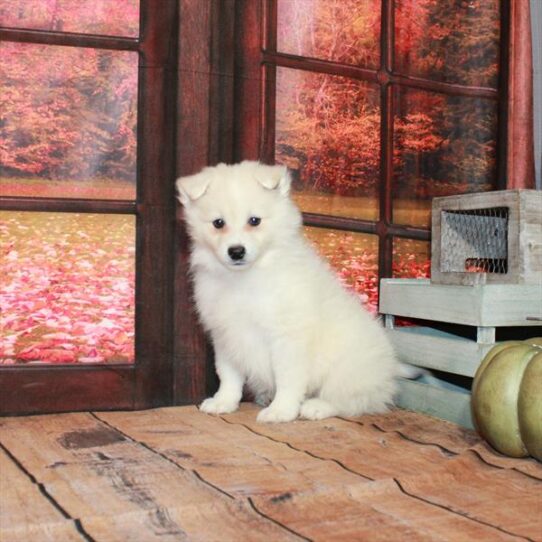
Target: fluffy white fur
{"x": 280, "y": 321}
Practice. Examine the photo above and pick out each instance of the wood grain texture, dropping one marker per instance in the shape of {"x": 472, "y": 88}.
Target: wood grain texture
{"x": 437, "y": 398}
{"x": 25, "y": 513}
{"x": 484, "y": 305}
{"x": 380, "y": 511}
{"x": 434, "y": 349}
{"x": 121, "y": 490}
{"x": 60, "y": 389}
{"x": 363, "y": 448}
{"x": 193, "y": 134}
{"x": 178, "y": 474}
{"x": 469, "y": 487}
{"x": 520, "y": 133}
{"x": 248, "y": 96}
{"x": 248, "y": 465}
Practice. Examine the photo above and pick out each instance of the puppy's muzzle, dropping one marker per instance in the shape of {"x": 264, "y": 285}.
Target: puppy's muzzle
{"x": 236, "y": 253}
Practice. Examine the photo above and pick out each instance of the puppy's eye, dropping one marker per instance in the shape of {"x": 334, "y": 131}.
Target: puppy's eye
{"x": 219, "y": 223}
{"x": 254, "y": 220}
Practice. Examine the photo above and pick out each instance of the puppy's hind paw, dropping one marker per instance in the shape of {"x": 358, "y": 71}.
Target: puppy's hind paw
{"x": 218, "y": 405}
{"x": 317, "y": 409}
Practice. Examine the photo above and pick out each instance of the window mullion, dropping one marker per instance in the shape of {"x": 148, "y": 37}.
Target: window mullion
{"x": 69, "y": 39}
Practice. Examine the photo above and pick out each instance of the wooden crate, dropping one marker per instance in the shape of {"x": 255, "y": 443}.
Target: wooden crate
{"x": 490, "y": 237}
{"x": 485, "y": 308}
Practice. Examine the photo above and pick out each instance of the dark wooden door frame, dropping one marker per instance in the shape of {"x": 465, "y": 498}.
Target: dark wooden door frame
{"x": 204, "y": 132}
{"x": 148, "y": 382}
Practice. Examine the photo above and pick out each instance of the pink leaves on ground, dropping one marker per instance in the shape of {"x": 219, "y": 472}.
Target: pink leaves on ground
{"x": 354, "y": 257}
{"x": 67, "y": 288}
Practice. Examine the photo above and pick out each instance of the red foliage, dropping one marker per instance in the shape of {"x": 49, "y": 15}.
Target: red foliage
{"x": 67, "y": 112}
{"x": 67, "y": 292}
{"x": 328, "y": 127}
{"x": 112, "y": 17}
{"x": 354, "y": 257}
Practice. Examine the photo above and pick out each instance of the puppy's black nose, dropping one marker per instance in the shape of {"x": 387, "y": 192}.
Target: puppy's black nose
{"x": 237, "y": 252}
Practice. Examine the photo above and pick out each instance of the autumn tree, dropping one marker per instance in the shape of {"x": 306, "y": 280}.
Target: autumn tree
{"x": 67, "y": 113}
{"x": 328, "y": 126}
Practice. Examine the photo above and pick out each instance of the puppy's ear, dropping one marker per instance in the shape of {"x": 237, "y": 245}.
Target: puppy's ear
{"x": 274, "y": 178}
{"x": 192, "y": 187}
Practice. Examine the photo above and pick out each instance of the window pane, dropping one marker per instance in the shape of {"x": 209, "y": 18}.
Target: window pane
{"x": 354, "y": 257}
{"x": 456, "y": 41}
{"x": 443, "y": 145}
{"x": 68, "y": 122}
{"x": 411, "y": 258}
{"x": 327, "y": 132}
{"x": 346, "y": 31}
{"x": 67, "y": 288}
{"x": 109, "y": 17}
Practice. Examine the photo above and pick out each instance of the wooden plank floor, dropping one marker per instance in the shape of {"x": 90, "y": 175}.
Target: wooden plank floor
{"x": 175, "y": 474}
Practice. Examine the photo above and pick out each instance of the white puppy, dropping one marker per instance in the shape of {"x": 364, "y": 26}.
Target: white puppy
{"x": 280, "y": 321}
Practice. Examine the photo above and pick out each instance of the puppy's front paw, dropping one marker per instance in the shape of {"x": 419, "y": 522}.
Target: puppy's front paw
{"x": 218, "y": 405}
{"x": 275, "y": 413}
{"x": 317, "y": 409}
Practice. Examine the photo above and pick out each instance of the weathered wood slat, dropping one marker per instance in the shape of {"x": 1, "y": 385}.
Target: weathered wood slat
{"x": 486, "y": 494}
{"x": 208, "y": 522}
{"x": 433, "y": 349}
{"x": 25, "y": 514}
{"x": 437, "y": 398}
{"x": 47, "y": 532}
{"x": 424, "y": 429}
{"x": 487, "y": 305}
{"x": 528, "y": 465}
{"x": 427, "y": 430}
{"x": 379, "y": 511}
{"x": 250, "y": 468}
{"x": 362, "y": 449}
{"x": 97, "y": 475}
{"x": 229, "y": 455}
{"x": 175, "y": 474}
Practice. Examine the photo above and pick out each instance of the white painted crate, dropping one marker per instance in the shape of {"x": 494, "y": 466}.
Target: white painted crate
{"x": 485, "y": 307}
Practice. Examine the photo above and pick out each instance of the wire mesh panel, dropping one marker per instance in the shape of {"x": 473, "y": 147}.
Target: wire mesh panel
{"x": 492, "y": 237}
{"x": 476, "y": 241}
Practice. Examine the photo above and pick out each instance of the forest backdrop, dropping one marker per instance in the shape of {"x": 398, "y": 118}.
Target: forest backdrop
{"x": 68, "y": 127}
{"x": 69, "y": 114}
{"x": 328, "y": 127}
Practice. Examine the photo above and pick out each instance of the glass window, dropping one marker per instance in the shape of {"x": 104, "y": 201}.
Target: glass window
{"x": 404, "y": 108}
{"x": 86, "y": 213}
{"x": 69, "y": 119}
{"x": 328, "y": 134}
{"x": 354, "y": 257}
{"x": 105, "y": 17}
{"x": 346, "y": 31}
{"x": 67, "y": 288}
{"x": 411, "y": 258}
{"x": 442, "y": 145}
{"x": 454, "y": 41}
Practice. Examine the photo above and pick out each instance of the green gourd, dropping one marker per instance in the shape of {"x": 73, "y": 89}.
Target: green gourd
{"x": 507, "y": 398}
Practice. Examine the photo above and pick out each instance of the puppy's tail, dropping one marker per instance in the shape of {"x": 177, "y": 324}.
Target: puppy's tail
{"x": 410, "y": 371}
